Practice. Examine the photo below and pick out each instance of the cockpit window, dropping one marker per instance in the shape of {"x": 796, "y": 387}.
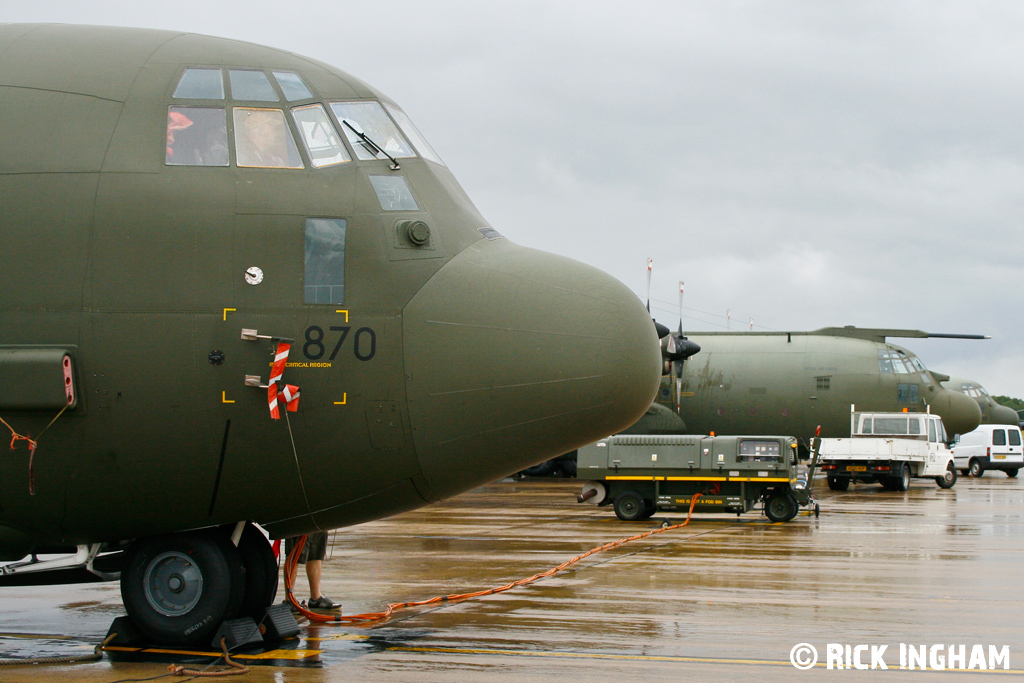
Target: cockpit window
{"x": 262, "y": 139}
{"x": 196, "y": 136}
{"x": 292, "y": 86}
{"x": 251, "y": 85}
{"x": 411, "y": 132}
{"x": 393, "y": 193}
{"x": 370, "y": 119}
{"x": 891, "y": 360}
{"x": 319, "y": 136}
{"x": 200, "y": 84}
{"x": 325, "y": 260}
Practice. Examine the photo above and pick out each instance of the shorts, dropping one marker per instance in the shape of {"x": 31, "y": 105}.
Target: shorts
{"x": 315, "y": 547}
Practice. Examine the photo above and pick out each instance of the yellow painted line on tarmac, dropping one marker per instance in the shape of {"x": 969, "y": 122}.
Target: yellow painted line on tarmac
{"x": 585, "y": 655}
{"x": 346, "y": 636}
{"x": 35, "y": 636}
{"x": 656, "y": 658}
{"x": 272, "y": 654}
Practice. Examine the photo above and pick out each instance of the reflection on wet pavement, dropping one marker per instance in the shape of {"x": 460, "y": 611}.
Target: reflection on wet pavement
{"x": 726, "y": 596}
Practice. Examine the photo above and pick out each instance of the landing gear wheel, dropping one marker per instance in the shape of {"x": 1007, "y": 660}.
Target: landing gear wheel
{"x": 975, "y": 468}
{"x": 568, "y": 467}
{"x": 1012, "y": 472}
{"x": 946, "y": 481}
{"x": 838, "y": 483}
{"x": 180, "y": 587}
{"x": 781, "y": 507}
{"x": 630, "y": 507}
{"x": 260, "y": 573}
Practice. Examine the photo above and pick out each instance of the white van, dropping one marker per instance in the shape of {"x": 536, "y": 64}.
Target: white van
{"x": 989, "y": 447}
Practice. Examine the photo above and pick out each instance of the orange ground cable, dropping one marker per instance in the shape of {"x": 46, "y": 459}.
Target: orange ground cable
{"x": 292, "y": 561}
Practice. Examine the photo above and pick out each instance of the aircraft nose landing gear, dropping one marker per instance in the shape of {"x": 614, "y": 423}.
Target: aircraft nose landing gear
{"x": 178, "y": 588}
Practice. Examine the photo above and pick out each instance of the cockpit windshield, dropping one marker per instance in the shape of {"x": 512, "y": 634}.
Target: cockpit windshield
{"x": 370, "y": 119}
{"x": 895, "y": 361}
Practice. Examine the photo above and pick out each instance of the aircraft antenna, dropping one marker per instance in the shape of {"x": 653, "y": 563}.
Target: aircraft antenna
{"x": 681, "y": 287}
{"x": 650, "y": 267}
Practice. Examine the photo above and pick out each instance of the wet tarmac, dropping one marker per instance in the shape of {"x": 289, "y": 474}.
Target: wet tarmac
{"x": 725, "y": 597}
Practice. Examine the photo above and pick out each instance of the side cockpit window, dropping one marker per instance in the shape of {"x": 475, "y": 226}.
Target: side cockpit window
{"x": 411, "y": 132}
{"x": 196, "y": 136}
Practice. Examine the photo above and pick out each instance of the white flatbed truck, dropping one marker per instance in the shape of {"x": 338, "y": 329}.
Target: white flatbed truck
{"x": 888, "y": 449}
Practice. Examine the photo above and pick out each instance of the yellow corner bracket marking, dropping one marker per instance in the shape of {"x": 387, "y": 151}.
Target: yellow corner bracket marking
{"x": 224, "y": 397}
{"x": 343, "y": 401}
{"x": 226, "y": 311}
{"x": 345, "y": 311}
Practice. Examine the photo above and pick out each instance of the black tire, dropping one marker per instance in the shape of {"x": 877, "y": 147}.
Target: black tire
{"x": 964, "y": 473}
{"x": 649, "y": 509}
{"x": 903, "y": 481}
{"x": 179, "y": 588}
{"x": 947, "y": 481}
{"x": 261, "y": 573}
{"x": 568, "y": 467}
{"x": 1011, "y": 472}
{"x": 975, "y": 468}
{"x": 630, "y": 507}
{"x": 781, "y": 507}
{"x": 838, "y": 483}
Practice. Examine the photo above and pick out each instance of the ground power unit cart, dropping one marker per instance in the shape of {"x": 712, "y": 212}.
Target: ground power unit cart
{"x": 643, "y": 474}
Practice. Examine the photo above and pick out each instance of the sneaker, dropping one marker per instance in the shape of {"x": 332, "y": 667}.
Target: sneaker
{"x": 292, "y": 607}
{"x": 324, "y": 602}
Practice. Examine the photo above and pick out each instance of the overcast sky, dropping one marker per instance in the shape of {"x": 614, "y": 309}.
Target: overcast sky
{"x": 804, "y": 164}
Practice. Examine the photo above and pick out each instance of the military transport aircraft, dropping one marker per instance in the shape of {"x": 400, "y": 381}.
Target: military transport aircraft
{"x": 791, "y": 382}
{"x": 991, "y": 412}
{"x": 239, "y": 286}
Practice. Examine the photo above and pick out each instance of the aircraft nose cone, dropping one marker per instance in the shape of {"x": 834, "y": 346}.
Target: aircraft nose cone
{"x": 1002, "y": 415}
{"x": 960, "y": 413}
{"x": 514, "y": 356}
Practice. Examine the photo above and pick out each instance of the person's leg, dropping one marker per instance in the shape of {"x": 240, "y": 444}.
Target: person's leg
{"x": 314, "y": 569}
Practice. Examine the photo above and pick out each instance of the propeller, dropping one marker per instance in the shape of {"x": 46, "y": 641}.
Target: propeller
{"x": 675, "y": 349}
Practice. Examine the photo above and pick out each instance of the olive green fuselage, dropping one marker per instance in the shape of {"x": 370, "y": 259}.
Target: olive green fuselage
{"x": 790, "y": 383}
{"x": 449, "y": 361}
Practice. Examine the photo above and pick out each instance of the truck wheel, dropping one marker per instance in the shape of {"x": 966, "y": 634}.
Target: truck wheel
{"x": 1012, "y": 472}
{"x": 946, "y": 481}
{"x": 903, "y": 483}
{"x": 838, "y": 483}
{"x": 649, "y": 509}
{"x": 629, "y": 506}
{"x": 976, "y": 469}
{"x": 781, "y": 507}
